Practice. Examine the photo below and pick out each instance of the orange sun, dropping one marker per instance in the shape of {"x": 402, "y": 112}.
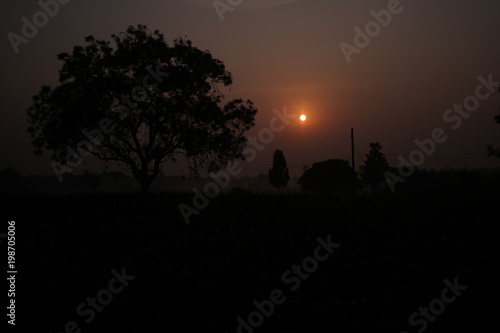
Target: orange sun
{"x": 303, "y": 117}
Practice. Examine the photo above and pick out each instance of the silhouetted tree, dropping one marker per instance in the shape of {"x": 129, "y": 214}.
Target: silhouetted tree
{"x": 140, "y": 105}
{"x": 92, "y": 179}
{"x": 492, "y": 151}
{"x": 278, "y": 174}
{"x": 372, "y": 172}
{"x": 11, "y": 181}
{"x": 327, "y": 177}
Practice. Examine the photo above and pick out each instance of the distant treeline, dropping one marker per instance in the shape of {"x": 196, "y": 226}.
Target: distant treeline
{"x": 423, "y": 180}
{"x": 12, "y": 181}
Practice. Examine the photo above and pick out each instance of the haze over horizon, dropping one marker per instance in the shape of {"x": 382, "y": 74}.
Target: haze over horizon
{"x": 286, "y": 53}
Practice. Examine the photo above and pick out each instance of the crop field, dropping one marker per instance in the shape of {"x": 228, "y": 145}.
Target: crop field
{"x": 407, "y": 261}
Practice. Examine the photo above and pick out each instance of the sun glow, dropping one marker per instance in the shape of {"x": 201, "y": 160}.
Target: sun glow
{"x": 303, "y": 117}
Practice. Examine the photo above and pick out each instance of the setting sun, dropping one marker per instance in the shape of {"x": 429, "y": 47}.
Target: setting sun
{"x": 303, "y": 117}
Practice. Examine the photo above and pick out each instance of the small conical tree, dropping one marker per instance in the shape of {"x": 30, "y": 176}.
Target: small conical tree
{"x": 278, "y": 174}
{"x": 492, "y": 151}
{"x": 375, "y": 166}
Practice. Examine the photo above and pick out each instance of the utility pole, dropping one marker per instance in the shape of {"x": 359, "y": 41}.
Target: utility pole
{"x": 353, "y": 164}
{"x": 352, "y": 150}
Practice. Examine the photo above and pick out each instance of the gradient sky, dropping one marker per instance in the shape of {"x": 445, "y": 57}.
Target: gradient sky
{"x": 286, "y": 53}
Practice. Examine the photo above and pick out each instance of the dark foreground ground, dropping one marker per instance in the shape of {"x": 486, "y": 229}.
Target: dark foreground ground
{"x": 396, "y": 252}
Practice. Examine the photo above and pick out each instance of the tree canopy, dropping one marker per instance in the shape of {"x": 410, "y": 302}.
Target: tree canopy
{"x": 278, "y": 174}
{"x": 492, "y": 151}
{"x": 140, "y": 104}
{"x": 375, "y": 166}
{"x": 334, "y": 176}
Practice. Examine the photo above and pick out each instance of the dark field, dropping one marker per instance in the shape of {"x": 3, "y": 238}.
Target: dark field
{"x": 396, "y": 251}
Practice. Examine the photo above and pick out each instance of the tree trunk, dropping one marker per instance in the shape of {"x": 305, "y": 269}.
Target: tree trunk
{"x": 145, "y": 184}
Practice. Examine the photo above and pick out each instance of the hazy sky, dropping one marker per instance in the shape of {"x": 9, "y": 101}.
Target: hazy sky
{"x": 286, "y": 53}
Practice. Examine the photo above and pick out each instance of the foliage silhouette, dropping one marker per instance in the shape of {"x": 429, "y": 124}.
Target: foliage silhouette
{"x": 492, "y": 151}
{"x": 93, "y": 180}
{"x": 278, "y": 174}
{"x": 158, "y": 102}
{"x": 372, "y": 172}
{"x": 11, "y": 181}
{"x": 334, "y": 176}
